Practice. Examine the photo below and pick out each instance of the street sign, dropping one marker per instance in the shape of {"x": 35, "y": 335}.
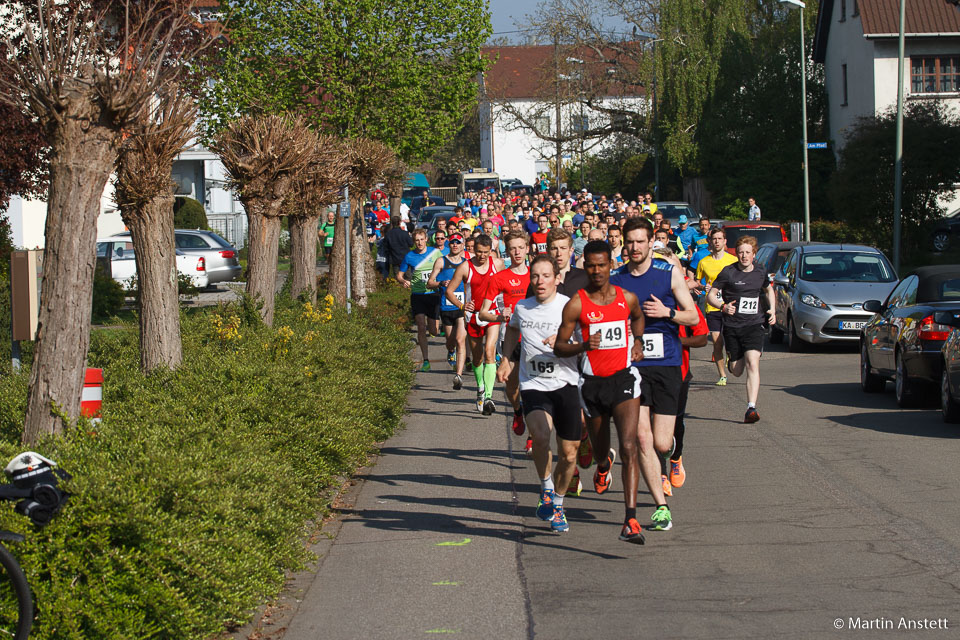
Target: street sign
{"x": 816, "y": 145}
{"x": 345, "y": 205}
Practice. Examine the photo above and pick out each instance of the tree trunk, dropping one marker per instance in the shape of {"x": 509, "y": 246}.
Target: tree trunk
{"x": 151, "y": 230}
{"x": 338, "y": 261}
{"x": 395, "y": 208}
{"x": 695, "y": 192}
{"x": 264, "y": 239}
{"x": 80, "y": 164}
{"x": 303, "y": 255}
{"x": 362, "y": 267}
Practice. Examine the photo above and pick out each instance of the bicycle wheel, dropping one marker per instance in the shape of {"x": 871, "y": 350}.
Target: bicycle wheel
{"x": 16, "y": 603}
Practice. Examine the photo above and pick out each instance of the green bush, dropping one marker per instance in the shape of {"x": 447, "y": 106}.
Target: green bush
{"x": 836, "y": 231}
{"x": 191, "y": 498}
{"x": 189, "y": 214}
{"x": 108, "y": 295}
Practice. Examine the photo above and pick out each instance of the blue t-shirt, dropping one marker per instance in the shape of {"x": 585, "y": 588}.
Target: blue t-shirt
{"x": 661, "y": 336}
{"x": 446, "y": 273}
{"x": 686, "y": 237}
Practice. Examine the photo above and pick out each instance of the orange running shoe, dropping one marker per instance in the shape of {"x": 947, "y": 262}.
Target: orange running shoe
{"x": 667, "y": 489}
{"x": 631, "y": 532}
{"x": 603, "y": 480}
{"x": 677, "y": 473}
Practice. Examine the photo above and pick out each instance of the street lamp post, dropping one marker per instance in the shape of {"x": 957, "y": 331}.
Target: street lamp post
{"x": 798, "y": 4}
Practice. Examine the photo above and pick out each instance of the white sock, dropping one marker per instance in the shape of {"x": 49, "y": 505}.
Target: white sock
{"x": 546, "y": 483}
{"x": 751, "y": 405}
{"x": 558, "y": 501}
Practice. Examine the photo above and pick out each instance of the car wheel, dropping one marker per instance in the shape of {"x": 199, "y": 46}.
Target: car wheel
{"x": 941, "y": 240}
{"x": 948, "y": 406}
{"x": 794, "y": 343}
{"x": 902, "y": 385}
{"x": 869, "y": 381}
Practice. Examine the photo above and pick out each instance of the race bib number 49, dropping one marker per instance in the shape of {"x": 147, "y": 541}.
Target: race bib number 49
{"x": 653, "y": 346}
{"x": 613, "y": 335}
{"x": 749, "y": 306}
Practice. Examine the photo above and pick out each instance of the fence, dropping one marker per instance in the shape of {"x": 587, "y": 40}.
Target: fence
{"x": 231, "y": 226}
{"x": 449, "y": 194}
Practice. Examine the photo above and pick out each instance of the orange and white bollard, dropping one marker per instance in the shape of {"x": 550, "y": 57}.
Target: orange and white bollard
{"x": 92, "y": 398}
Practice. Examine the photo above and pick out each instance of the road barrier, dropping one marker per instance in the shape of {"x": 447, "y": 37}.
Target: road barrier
{"x": 92, "y": 398}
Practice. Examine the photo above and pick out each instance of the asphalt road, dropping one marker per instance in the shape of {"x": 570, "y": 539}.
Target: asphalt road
{"x": 835, "y": 515}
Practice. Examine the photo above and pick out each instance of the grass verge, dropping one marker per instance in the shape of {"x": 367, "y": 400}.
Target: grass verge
{"x": 191, "y": 498}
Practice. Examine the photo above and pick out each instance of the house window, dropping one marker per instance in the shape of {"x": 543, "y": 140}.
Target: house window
{"x": 843, "y": 74}
{"x": 856, "y": 8}
{"x": 542, "y": 125}
{"x": 935, "y": 74}
{"x": 843, "y": 10}
{"x": 579, "y": 124}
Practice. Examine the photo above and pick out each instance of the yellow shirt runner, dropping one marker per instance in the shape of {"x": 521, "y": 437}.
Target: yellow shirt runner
{"x": 710, "y": 267}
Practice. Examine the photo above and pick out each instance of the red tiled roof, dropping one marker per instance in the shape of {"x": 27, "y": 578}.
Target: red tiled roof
{"x": 529, "y": 71}
{"x": 923, "y": 16}
{"x": 206, "y": 4}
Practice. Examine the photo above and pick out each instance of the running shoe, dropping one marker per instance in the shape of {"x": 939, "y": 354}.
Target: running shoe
{"x": 575, "y": 485}
{"x": 452, "y": 358}
{"x": 488, "y": 407}
{"x": 585, "y": 454}
{"x": 722, "y": 382}
{"x": 528, "y": 448}
{"x": 558, "y": 523}
{"x": 603, "y": 480}
{"x": 480, "y": 400}
{"x": 677, "y": 473}
{"x": 661, "y": 519}
{"x": 518, "y": 426}
{"x": 631, "y": 532}
{"x": 425, "y": 366}
{"x": 667, "y": 488}
{"x": 750, "y": 416}
{"x": 457, "y": 382}
{"x": 545, "y": 506}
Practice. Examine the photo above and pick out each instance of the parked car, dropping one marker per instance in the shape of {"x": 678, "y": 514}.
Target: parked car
{"x": 116, "y": 256}
{"x": 903, "y": 341}
{"x": 220, "y": 257}
{"x": 673, "y": 210}
{"x": 772, "y": 255}
{"x": 427, "y": 214}
{"x": 820, "y": 292}
{"x": 946, "y": 230}
{"x": 950, "y": 366}
{"x": 431, "y": 224}
{"x": 764, "y": 232}
{"x": 419, "y": 203}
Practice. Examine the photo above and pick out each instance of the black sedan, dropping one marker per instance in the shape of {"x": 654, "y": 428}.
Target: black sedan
{"x": 946, "y": 230}
{"x": 950, "y": 378}
{"x": 903, "y": 341}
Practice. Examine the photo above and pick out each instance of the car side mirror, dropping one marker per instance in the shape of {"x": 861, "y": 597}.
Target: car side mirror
{"x": 781, "y": 279}
{"x": 873, "y": 306}
{"x": 949, "y": 318}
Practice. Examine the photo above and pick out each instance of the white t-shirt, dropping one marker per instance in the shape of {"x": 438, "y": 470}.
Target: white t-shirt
{"x": 540, "y": 369}
{"x": 754, "y": 213}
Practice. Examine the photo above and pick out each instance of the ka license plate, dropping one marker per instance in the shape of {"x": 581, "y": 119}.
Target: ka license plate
{"x": 852, "y": 326}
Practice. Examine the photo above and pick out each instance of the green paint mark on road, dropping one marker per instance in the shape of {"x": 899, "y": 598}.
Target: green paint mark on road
{"x": 446, "y": 583}
{"x": 454, "y": 544}
{"x": 443, "y": 631}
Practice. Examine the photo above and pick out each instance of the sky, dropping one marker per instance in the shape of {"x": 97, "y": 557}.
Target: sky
{"x": 506, "y": 13}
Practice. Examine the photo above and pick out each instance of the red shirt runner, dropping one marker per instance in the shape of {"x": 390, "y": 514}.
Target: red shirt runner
{"x": 539, "y": 240}
{"x": 512, "y": 286}
{"x": 613, "y": 323}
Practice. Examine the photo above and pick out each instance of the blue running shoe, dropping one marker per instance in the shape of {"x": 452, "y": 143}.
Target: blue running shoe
{"x": 558, "y": 523}
{"x": 452, "y": 358}
{"x": 545, "y": 508}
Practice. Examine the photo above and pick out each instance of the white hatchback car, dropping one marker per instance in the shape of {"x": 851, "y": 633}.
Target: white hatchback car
{"x": 117, "y": 257}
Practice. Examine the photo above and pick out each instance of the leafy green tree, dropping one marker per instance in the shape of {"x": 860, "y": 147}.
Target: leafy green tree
{"x": 862, "y": 187}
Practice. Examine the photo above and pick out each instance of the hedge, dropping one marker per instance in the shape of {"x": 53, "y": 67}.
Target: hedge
{"x": 194, "y": 494}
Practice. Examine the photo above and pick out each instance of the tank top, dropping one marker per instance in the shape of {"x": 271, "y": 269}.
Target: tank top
{"x": 539, "y": 241}
{"x": 661, "y": 336}
{"x": 475, "y": 289}
{"x": 446, "y": 273}
{"x": 613, "y": 323}
{"x": 511, "y": 286}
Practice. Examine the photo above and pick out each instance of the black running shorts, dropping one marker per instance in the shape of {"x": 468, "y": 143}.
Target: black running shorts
{"x": 563, "y": 405}
{"x": 661, "y": 389}
{"x": 425, "y": 304}
{"x": 599, "y": 395}
{"x": 714, "y": 321}
{"x": 449, "y": 318}
{"x": 738, "y": 340}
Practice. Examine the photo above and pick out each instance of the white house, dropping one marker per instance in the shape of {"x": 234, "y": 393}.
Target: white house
{"x": 520, "y": 95}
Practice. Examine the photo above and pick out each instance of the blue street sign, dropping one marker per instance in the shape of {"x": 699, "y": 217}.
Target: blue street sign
{"x": 816, "y": 145}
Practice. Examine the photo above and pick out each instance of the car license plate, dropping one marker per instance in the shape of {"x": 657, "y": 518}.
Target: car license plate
{"x": 852, "y": 326}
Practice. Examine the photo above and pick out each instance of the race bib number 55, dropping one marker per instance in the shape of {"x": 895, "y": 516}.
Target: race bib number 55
{"x": 613, "y": 335}
{"x": 749, "y": 306}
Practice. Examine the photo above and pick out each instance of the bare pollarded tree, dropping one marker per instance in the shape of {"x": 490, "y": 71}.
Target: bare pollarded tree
{"x": 83, "y": 71}
{"x": 369, "y": 161}
{"x": 144, "y": 193}
{"x": 265, "y": 155}
{"x": 317, "y": 187}
{"x": 394, "y": 179}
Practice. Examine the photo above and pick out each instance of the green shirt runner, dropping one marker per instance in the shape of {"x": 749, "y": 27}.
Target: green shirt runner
{"x": 421, "y": 264}
{"x": 328, "y": 239}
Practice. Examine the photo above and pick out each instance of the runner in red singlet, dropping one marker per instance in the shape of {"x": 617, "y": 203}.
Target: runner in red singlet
{"x": 512, "y": 286}
{"x": 609, "y": 386}
{"x": 476, "y": 275}
{"x": 539, "y": 237}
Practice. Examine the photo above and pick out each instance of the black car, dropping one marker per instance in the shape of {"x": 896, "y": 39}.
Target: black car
{"x": 903, "y": 340}
{"x": 945, "y": 231}
{"x": 950, "y": 378}
{"x": 427, "y": 215}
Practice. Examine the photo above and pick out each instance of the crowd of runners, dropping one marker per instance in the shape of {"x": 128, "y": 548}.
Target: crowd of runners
{"x": 585, "y": 310}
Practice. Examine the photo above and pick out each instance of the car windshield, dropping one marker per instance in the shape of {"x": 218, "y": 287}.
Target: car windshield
{"x": 762, "y": 234}
{"x": 480, "y": 184}
{"x": 845, "y": 266}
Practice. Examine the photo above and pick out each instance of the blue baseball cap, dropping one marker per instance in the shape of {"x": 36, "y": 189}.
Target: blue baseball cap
{"x": 682, "y": 219}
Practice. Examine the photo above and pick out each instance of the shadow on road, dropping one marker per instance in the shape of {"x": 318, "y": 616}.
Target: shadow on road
{"x": 464, "y": 455}
{"x": 926, "y": 424}
{"x": 842, "y": 395}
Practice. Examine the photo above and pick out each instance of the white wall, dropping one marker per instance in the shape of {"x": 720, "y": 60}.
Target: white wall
{"x": 847, "y": 46}
{"x": 885, "y": 68}
{"x": 27, "y": 219}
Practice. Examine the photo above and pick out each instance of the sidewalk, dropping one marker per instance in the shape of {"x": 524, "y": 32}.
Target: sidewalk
{"x": 431, "y": 542}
